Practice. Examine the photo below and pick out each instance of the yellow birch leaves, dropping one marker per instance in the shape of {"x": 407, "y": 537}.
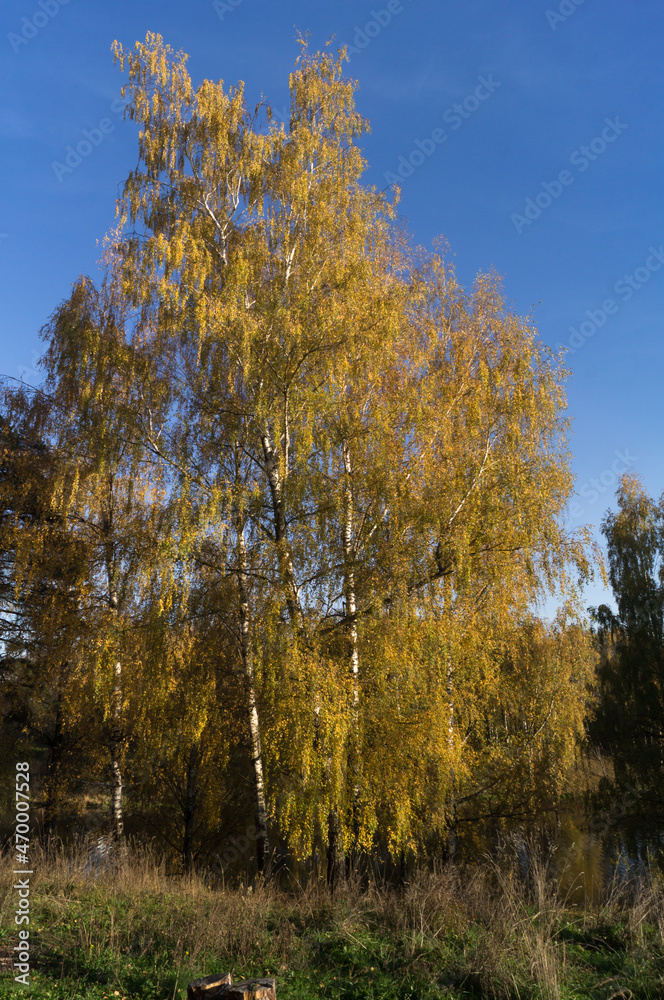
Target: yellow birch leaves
{"x": 386, "y": 449}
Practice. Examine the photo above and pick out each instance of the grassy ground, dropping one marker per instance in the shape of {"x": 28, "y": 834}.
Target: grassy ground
{"x": 480, "y": 932}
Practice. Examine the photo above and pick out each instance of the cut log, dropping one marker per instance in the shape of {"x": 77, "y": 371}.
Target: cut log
{"x": 221, "y": 988}
{"x": 206, "y": 989}
{"x": 251, "y": 989}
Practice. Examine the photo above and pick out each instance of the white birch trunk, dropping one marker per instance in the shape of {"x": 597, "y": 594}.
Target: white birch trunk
{"x": 349, "y": 573}
{"x": 260, "y": 807}
{"x": 334, "y": 854}
{"x": 117, "y": 820}
{"x": 451, "y": 835}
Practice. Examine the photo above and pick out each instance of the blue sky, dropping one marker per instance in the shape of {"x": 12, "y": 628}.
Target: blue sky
{"x": 528, "y": 133}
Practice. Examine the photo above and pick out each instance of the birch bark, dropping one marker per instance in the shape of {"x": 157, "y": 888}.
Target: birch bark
{"x": 246, "y": 642}
{"x": 334, "y": 853}
{"x": 116, "y": 740}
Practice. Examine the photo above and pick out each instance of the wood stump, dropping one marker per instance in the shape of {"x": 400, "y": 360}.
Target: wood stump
{"x": 220, "y": 987}
{"x": 204, "y": 989}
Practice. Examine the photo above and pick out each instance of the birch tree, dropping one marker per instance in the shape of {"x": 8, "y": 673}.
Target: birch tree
{"x": 44, "y": 576}
{"x": 112, "y": 505}
{"x": 251, "y": 240}
{"x": 452, "y": 481}
{"x": 374, "y": 457}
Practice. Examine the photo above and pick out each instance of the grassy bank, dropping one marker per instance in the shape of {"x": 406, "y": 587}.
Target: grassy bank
{"x": 480, "y": 932}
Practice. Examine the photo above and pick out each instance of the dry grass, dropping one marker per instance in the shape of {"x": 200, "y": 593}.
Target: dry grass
{"x": 484, "y": 930}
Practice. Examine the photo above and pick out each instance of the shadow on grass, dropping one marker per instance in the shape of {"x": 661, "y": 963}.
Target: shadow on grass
{"x": 100, "y": 971}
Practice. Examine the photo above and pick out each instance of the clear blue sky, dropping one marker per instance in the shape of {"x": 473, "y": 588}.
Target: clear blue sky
{"x": 549, "y": 168}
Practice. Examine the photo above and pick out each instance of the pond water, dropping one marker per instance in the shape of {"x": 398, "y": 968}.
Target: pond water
{"x": 587, "y": 865}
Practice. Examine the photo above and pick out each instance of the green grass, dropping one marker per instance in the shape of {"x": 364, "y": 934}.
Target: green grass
{"x": 459, "y": 934}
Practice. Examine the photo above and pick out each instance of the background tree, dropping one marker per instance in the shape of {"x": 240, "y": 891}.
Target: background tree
{"x": 105, "y": 505}
{"x": 189, "y": 758}
{"x": 629, "y": 721}
{"x": 45, "y": 570}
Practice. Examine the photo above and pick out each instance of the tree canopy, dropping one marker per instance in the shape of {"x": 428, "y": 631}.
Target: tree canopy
{"x": 319, "y": 486}
{"x": 629, "y": 718}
